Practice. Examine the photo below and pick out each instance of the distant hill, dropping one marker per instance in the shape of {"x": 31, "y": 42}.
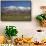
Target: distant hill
{"x": 16, "y": 10}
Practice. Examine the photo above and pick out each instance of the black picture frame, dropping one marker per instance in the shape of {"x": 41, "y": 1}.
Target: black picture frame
{"x": 9, "y": 11}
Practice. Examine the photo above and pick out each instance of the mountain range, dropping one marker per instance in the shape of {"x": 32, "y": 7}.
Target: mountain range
{"x": 15, "y": 10}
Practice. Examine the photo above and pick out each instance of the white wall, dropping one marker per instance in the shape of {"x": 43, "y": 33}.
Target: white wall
{"x": 30, "y": 27}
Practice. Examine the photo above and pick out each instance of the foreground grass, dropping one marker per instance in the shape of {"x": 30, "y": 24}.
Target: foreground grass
{"x": 15, "y": 17}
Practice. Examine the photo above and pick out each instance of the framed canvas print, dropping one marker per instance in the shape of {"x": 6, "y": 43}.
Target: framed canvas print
{"x": 15, "y": 10}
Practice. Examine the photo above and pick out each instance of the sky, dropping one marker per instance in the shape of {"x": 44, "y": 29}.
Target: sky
{"x": 15, "y": 3}
{"x": 15, "y": 0}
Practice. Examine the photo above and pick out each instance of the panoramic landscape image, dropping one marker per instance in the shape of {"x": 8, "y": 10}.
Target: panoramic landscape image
{"x": 15, "y": 10}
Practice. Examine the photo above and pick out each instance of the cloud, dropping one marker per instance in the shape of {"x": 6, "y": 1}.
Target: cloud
{"x": 19, "y": 7}
{"x": 11, "y": 7}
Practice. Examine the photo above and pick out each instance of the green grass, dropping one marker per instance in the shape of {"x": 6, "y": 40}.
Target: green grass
{"x": 15, "y": 17}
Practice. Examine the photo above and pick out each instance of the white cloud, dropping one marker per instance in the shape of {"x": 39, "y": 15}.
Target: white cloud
{"x": 19, "y": 7}
{"x": 11, "y": 7}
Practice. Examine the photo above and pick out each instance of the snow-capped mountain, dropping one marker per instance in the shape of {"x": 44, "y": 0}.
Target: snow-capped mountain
{"x": 14, "y": 9}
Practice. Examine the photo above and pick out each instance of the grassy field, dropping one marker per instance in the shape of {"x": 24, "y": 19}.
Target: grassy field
{"x": 15, "y": 17}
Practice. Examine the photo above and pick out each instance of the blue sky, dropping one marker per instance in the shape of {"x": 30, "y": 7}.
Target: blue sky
{"x": 16, "y": 3}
